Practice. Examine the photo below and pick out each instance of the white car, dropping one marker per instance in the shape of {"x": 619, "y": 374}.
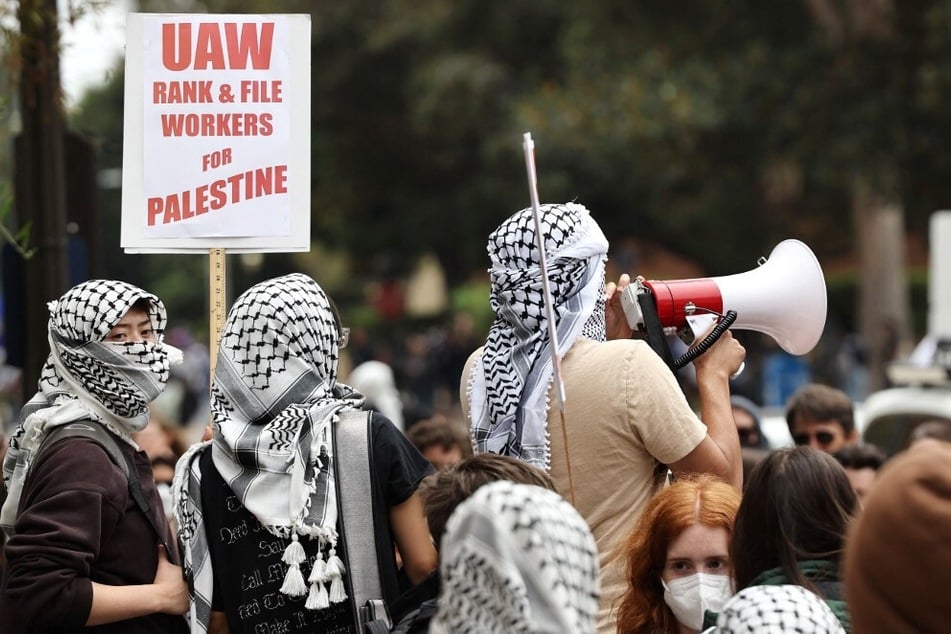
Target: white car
{"x": 890, "y": 415}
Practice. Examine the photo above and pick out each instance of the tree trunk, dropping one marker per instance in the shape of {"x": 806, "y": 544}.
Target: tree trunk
{"x": 40, "y": 176}
{"x": 883, "y": 295}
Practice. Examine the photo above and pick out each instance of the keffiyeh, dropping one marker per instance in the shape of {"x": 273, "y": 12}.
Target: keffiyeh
{"x": 777, "y": 610}
{"x": 517, "y": 558}
{"x": 508, "y": 391}
{"x": 275, "y": 398}
{"x": 86, "y": 378}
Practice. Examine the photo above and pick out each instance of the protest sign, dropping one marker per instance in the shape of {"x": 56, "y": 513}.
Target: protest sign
{"x": 217, "y": 133}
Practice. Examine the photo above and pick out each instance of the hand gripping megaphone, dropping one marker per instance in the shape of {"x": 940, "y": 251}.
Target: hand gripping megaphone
{"x": 784, "y": 297}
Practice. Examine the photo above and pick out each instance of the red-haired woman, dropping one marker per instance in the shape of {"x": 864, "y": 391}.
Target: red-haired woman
{"x": 677, "y": 558}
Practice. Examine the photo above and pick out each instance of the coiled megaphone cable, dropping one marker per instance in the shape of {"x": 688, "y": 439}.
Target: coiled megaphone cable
{"x": 708, "y": 341}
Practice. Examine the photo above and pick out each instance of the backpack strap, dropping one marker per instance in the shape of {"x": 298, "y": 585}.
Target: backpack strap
{"x": 352, "y": 451}
{"x": 101, "y": 436}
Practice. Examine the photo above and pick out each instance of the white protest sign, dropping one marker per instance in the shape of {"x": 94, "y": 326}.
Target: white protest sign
{"x": 217, "y": 133}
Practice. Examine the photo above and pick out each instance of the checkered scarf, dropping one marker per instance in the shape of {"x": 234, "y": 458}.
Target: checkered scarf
{"x": 508, "y": 390}
{"x": 784, "y": 608}
{"x": 275, "y": 398}
{"x": 517, "y": 558}
{"x": 85, "y": 378}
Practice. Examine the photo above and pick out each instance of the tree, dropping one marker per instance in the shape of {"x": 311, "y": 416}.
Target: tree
{"x": 744, "y": 123}
{"x": 712, "y": 129}
{"x": 40, "y": 172}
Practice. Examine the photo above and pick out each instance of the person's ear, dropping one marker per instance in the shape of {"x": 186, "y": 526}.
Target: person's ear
{"x": 852, "y": 437}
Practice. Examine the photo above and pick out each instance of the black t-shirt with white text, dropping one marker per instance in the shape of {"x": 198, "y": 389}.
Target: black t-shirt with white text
{"x": 246, "y": 558}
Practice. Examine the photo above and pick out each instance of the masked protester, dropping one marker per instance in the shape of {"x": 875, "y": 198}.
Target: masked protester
{"x": 677, "y": 558}
{"x": 782, "y": 608}
{"x": 83, "y": 549}
{"x": 259, "y": 509}
{"x": 626, "y": 421}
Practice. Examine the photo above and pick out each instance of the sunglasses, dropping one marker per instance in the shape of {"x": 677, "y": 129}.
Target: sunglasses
{"x": 746, "y": 433}
{"x": 823, "y": 438}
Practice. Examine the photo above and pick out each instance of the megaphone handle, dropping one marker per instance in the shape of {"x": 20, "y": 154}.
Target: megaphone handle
{"x": 653, "y": 329}
{"x": 708, "y": 341}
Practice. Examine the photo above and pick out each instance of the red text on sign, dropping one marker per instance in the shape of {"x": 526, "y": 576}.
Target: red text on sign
{"x": 242, "y": 186}
{"x": 216, "y": 159}
{"x": 207, "y": 51}
{"x": 221, "y": 124}
{"x": 181, "y": 92}
{"x": 261, "y": 91}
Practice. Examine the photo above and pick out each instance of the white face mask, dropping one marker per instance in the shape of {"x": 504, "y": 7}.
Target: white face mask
{"x": 689, "y": 597}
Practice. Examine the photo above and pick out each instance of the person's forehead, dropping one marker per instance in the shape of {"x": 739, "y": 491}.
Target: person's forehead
{"x": 698, "y": 539}
{"x": 805, "y": 424}
{"x": 861, "y": 479}
{"x": 743, "y": 417}
{"x": 134, "y": 316}
{"x": 864, "y": 473}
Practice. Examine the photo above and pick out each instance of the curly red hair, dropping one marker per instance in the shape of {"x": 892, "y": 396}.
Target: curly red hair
{"x": 701, "y": 499}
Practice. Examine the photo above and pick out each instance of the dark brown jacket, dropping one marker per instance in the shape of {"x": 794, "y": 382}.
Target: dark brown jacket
{"x": 79, "y": 524}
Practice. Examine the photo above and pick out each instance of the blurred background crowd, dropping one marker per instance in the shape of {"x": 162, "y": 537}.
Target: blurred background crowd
{"x": 699, "y": 136}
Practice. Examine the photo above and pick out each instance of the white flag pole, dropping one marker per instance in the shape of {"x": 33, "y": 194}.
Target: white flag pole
{"x": 528, "y": 145}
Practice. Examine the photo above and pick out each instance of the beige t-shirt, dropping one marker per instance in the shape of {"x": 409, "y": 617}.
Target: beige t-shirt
{"x": 625, "y": 414}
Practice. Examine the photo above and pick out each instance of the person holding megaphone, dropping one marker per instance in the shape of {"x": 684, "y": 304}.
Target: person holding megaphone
{"x": 621, "y": 420}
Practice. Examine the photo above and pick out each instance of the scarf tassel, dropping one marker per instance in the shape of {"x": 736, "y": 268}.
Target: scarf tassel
{"x": 318, "y": 571}
{"x": 294, "y": 556}
{"x": 337, "y": 593}
{"x": 317, "y": 598}
{"x": 334, "y": 564}
{"x": 294, "y": 553}
{"x": 294, "y": 585}
{"x": 321, "y": 573}
{"x": 334, "y": 573}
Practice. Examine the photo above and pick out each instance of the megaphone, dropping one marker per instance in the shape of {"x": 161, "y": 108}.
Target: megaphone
{"x": 784, "y": 297}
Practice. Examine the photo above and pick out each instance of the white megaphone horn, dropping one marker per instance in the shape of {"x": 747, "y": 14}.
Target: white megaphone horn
{"x": 784, "y": 297}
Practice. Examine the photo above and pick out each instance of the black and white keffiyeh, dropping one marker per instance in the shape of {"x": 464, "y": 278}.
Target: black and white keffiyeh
{"x": 517, "y": 558}
{"x": 275, "y": 397}
{"x": 86, "y": 378}
{"x": 508, "y": 389}
{"x": 776, "y": 610}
